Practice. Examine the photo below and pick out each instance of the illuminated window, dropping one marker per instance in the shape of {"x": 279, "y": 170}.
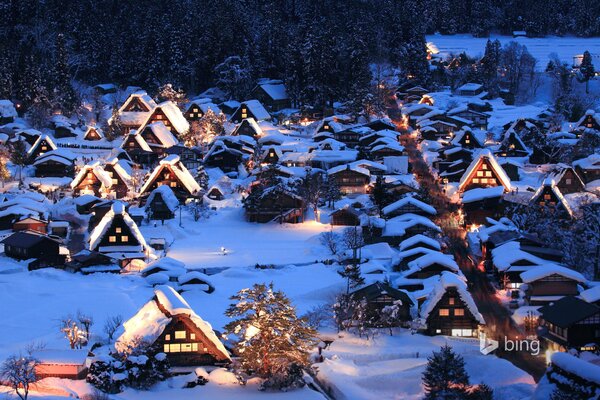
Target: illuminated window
{"x": 467, "y": 141}
{"x": 166, "y": 348}
{"x": 547, "y": 197}
{"x": 179, "y": 334}
{"x": 195, "y": 109}
{"x": 90, "y": 175}
{"x": 186, "y": 347}
{"x": 444, "y": 312}
{"x": 475, "y": 180}
{"x": 124, "y": 238}
{"x": 484, "y": 166}
{"x": 115, "y": 181}
{"x": 159, "y": 117}
{"x": 459, "y": 312}
{"x": 484, "y": 180}
{"x": 479, "y": 173}
{"x": 167, "y": 337}
{"x": 175, "y": 348}
{"x": 195, "y": 347}
{"x": 118, "y": 229}
{"x": 173, "y": 184}
{"x": 488, "y": 173}
{"x": 451, "y": 301}
{"x": 112, "y": 239}
{"x": 44, "y": 148}
{"x": 192, "y": 336}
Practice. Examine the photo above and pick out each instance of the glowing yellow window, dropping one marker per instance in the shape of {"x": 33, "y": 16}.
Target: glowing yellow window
{"x": 192, "y": 336}
{"x": 451, "y": 301}
{"x": 167, "y": 337}
{"x": 195, "y": 347}
{"x": 479, "y": 173}
{"x": 186, "y": 347}
{"x": 444, "y": 312}
{"x": 459, "y": 312}
{"x": 475, "y": 180}
{"x": 467, "y": 141}
{"x": 124, "y": 238}
{"x": 118, "y": 229}
{"x": 488, "y": 173}
{"x": 112, "y": 239}
{"x": 173, "y": 184}
{"x": 484, "y": 166}
{"x": 166, "y": 348}
{"x": 179, "y": 334}
{"x": 44, "y": 148}
{"x": 175, "y": 348}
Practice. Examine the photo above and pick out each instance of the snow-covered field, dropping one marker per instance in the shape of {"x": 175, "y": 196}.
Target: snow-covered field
{"x": 541, "y": 48}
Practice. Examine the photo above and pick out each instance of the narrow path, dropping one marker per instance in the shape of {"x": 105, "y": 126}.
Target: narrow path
{"x": 499, "y": 324}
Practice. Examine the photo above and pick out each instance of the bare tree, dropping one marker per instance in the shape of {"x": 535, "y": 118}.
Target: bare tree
{"x": 331, "y": 241}
{"x": 18, "y": 372}
{"x": 74, "y": 333}
{"x": 86, "y": 322}
{"x": 111, "y": 325}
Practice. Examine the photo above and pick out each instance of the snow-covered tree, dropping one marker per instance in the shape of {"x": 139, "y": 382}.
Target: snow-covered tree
{"x": 18, "y": 156}
{"x": 489, "y": 66}
{"x": 380, "y": 195}
{"x": 310, "y": 190}
{"x": 445, "y": 376}
{"x": 4, "y": 158}
{"x": 351, "y": 272}
{"x": 233, "y": 77}
{"x": 389, "y": 316}
{"x": 331, "y": 192}
{"x": 111, "y": 325}
{"x": 74, "y": 332}
{"x": 168, "y": 92}
{"x": 332, "y": 241}
{"x": 586, "y": 69}
{"x": 64, "y": 96}
{"x": 271, "y": 338}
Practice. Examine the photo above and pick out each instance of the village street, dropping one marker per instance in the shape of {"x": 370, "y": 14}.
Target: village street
{"x": 499, "y": 324}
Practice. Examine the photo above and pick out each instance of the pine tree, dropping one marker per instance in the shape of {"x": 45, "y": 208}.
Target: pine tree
{"x": 489, "y": 66}
{"x": 586, "y": 69}
{"x": 332, "y": 192}
{"x": 202, "y": 179}
{"x": 445, "y": 376}
{"x": 379, "y": 193}
{"x": 18, "y": 156}
{"x": 271, "y": 336}
{"x": 64, "y": 95}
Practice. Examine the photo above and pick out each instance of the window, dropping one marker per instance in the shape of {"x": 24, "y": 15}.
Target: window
{"x": 118, "y": 229}
{"x": 186, "y": 347}
{"x": 467, "y": 141}
{"x": 484, "y": 180}
{"x": 547, "y": 196}
{"x": 112, "y": 239}
{"x": 44, "y": 148}
{"x": 569, "y": 181}
{"x": 484, "y": 166}
{"x": 175, "y": 348}
{"x": 173, "y": 184}
{"x": 488, "y": 173}
{"x": 451, "y": 301}
{"x": 479, "y": 173}
{"x": 167, "y": 337}
{"x": 180, "y": 335}
{"x": 438, "y": 331}
{"x": 125, "y": 238}
{"x": 475, "y": 180}
{"x": 115, "y": 181}
{"x": 166, "y": 348}
{"x": 459, "y": 312}
{"x": 192, "y": 336}
{"x": 444, "y": 312}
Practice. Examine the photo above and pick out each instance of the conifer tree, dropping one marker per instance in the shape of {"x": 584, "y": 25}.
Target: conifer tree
{"x": 445, "y": 376}
{"x": 271, "y": 337}
{"x": 64, "y": 95}
{"x": 586, "y": 69}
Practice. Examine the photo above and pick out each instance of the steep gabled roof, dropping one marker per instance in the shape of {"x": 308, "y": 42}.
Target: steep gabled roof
{"x": 39, "y": 140}
{"x": 99, "y": 231}
{"x": 544, "y": 271}
{"x": 97, "y": 170}
{"x": 408, "y": 200}
{"x": 485, "y": 155}
{"x": 166, "y": 193}
{"x": 257, "y": 109}
{"x": 181, "y": 172}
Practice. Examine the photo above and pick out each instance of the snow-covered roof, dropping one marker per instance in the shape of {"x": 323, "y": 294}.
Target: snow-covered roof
{"x": 143, "y": 97}
{"x": 136, "y": 135}
{"x": 181, "y": 172}
{"x": 433, "y": 257}
{"x": 166, "y": 193}
{"x": 39, "y": 140}
{"x": 397, "y": 226}
{"x": 591, "y": 295}
{"x": 190, "y": 276}
{"x": 470, "y": 86}
{"x": 257, "y": 109}
{"x": 509, "y": 253}
{"x": 419, "y": 239}
{"x": 448, "y": 280}
{"x": 7, "y": 109}
{"x": 408, "y": 200}
{"x": 479, "y": 194}
{"x": 589, "y": 163}
{"x": 588, "y": 113}
{"x": 351, "y": 167}
{"x": 89, "y": 129}
{"x": 276, "y": 91}
{"x": 576, "y": 366}
{"x": 149, "y": 322}
{"x": 61, "y": 357}
{"x": 163, "y": 134}
{"x": 254, "y": 125}
{"x": 97, "y": 170}
{"x": 544, "y": 271}
{"x": 165, "y": 264}
{"x": 486, "y": 155}
{"x": 99, "y": 231}
{"x": 174, "y": 114}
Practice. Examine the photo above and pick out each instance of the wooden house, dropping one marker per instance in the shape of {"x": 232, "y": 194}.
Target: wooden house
{"x": 272, "y": 155}
{"x": 350, "y": 178}
{"x": 171, "y": 172}
{"x": 408, "y": 204}
{"x": 196, "y": 109}
{"x": 191, "y": 157}
{"x": 93, "y": 133}
{"x": 162, "y": 203}
{"x": 92, "y": 179}
{"x": 567, "y": 180}
{"x": 120, "y": 175}
{"x": 379, "y": 295}
{"x": 470, "y": 89}
{"x": 346, "y": 216}
{"x": 250, "y": 109}
{"x": 86, "y": 262}
{"x": 550, "y": 282}
{"x": 64, "y": 364}
{"x": 229, "y": 107}
{"x": 222, "y": 156}
{"x": 404, "y": 226}
{"x": 168, "y": 322}
{"x": 138, "y": 150}
{"x": 272, "y": 94}
{"x": 479, "y": 204}
{"x": 25, "y": 245}
{"x": 511, "y": 168}
{"x": 466, "y": 139}
{"x": 549, "y": 195}
{"x": 590, "y": 121}
{"x": 55, "y": 163}
{"x": 277, "y": 205}
{"x": 484, "y": 171}
{"x": 31, "y": 224}
{"x": 588, "y": 168}
{"x": 430, "y": 264}
{"x": 512, "y": 146}
{"x": 135, "y": 110}
{"x": 450, "y": 309}
{"x": 158, "y": 137}
{"x": 64, "y": 131}
{"x": 420, "y": 241}
{"x": 195, "y": 280}
{"x": 42, "y": 145}
{"x": 170, "y": 115}
{"x": 249, "y": 127}
{"x": 570, "y": 323}
{"x": 117, "y": 235}
{"x": 329, "y": 125}
{"x": 480, "y": 119}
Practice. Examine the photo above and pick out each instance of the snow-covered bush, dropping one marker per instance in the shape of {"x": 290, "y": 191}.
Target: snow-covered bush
{"x": 289, "y": 377}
